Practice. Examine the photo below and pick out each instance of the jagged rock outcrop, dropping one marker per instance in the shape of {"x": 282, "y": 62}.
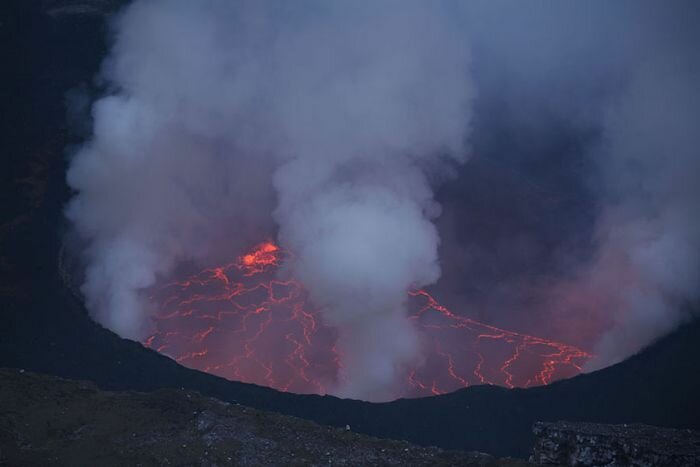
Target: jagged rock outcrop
{"x": 590, "y": 444}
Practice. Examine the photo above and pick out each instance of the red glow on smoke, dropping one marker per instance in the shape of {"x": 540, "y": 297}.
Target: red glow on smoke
{"x": 239, "y": 322}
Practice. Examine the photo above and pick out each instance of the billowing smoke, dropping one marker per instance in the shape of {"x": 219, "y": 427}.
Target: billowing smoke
{"x": 649, "y": 231}
{"x": 587, "y": 118}
{"x": 645, "y": 271}
{"x": 328, "y": 124}
{"x": 326, "y": 117}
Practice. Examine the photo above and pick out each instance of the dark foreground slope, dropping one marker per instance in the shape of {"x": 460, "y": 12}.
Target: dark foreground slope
{"x": 50, "y": 421}
{"x": 44, "y": 328}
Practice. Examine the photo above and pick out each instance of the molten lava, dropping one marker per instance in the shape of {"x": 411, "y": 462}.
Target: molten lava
{"x": 262, "y": 257}
{"x": 239, "y": 322}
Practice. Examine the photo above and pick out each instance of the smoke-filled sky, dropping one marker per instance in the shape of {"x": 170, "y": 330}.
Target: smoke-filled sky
{"x": 534, "y": 162}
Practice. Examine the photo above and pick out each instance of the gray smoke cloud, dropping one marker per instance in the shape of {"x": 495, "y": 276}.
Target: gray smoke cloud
{"x": 649, "y": 230}
{"x": 645, "y": 271}
{"x": 328, "y": 123}
{"x": 331, "y": 114}
{"x": 363, "y": 115}
{"x": 588, "y": 118}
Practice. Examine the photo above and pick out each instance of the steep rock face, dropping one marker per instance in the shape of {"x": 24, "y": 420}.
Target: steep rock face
{"x": 590, "y": 444}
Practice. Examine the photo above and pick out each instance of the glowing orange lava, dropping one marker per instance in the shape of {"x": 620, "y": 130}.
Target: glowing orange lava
{"x": 263, "y": 256}
{"x": 239, "y": 322}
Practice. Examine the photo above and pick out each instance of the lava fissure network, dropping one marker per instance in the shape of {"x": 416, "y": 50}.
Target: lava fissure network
{"x": 241, "y": 322}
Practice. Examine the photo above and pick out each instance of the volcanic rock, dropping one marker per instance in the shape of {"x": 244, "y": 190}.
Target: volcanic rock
{"x": 52, "y": 421}
{"x": 591, "y": 444}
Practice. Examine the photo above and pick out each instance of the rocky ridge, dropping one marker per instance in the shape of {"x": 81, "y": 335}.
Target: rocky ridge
{"x": 47, "y": 420}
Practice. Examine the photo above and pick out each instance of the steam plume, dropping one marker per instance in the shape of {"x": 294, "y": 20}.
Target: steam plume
{"x": 336, "y": 109}
{"x": 649, "y": 231}
{"x": 596, "y": 241}
{"x": 323, "y": 122}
